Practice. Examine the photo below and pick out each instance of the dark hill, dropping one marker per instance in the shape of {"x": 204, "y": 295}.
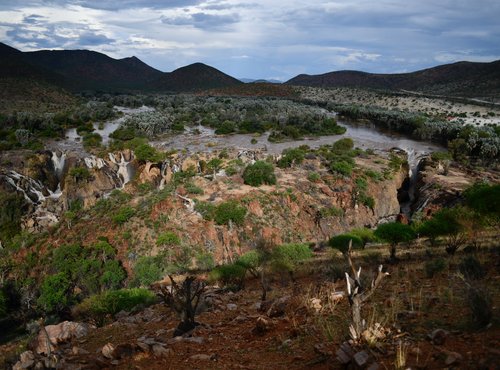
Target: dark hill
{"x": 90, "y": 70}
{"x": 84, "y": 70}
{"x": 457, "y": 79}
{"x": 197, "y": 76}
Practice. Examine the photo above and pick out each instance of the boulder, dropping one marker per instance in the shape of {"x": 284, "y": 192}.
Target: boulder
{"x": 54, "y": 334}
{"x": 26, "y": 361}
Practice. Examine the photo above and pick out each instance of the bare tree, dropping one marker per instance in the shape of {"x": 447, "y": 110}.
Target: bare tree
{"x": 184, "y": 299}
{"x": 358, "y": 295}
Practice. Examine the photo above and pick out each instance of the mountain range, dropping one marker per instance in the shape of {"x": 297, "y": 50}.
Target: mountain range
{"x": 84, "y": 70}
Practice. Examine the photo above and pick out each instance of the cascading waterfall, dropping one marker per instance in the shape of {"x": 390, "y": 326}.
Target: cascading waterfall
{"x": 124, "y": 171}
{"x": 30, "y": 188}
{"x": 413, "y": 158}
{"x": 58, "y": 160}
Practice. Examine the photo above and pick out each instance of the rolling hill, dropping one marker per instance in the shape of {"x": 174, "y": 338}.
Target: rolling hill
{"x": 467, "y": 79}
{"x": 84, "y": 70}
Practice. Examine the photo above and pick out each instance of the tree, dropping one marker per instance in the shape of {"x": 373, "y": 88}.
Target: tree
{"x": 446, "y": 222}
{"x": 485, "y": 200}
{"x": 343, "y": 241}
{"x": 55, "y": 293}
{"x": 259, "y": 173}
{"x": 395, "y": 233}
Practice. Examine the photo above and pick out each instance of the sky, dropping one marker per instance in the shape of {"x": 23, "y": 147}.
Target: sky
{"x": 271, "y": 39}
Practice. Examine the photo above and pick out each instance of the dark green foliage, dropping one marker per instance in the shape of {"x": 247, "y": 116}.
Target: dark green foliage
{"x": 440, "y": 156}
{"x": 435, "y": 266}
{"x": 342, "y": 167}
{"x": 287, "y": 257}
{"x": 123, "y": 215}
{"x": 146, "y": 153}
{"x": 214, "y": 164}
{"x": 230, "y": 211}
{"x": 341, "y": 242}
{"x": 313, "y": 176}
{"x": 231, "y": 275}
{"x": 471, "y": 268}
{"x": 3, "y": 304}
{"x": 92, "y": 140}
{"x": 123, "y": 133}
{"x": 445, "y": 222}
{"x": 168, "y": 238}
{"x": 250, "y": 261}
{"x": 366, "y": 235}
{"x": 206, "y": 209}
{"x": 226, "y": 127}
{"x": 291, "y": 156}
{"x": 343, "y": 145}
{"x": 367, "y": 200}
{"x": 80, "y": 173}
{"x": 259, "y": 173}
{"x": 12, "y": 207}
{"x": 98, "y": 307}
{"x": 394, "y": 233}
{"x": 484, "y": 199}
{"x": 55, "y": 293}
{"x": 396, "y": 161}
{"x": 193, "y": 189}
{"x": 147, "y": 270}
{"x": 331, "y": 212}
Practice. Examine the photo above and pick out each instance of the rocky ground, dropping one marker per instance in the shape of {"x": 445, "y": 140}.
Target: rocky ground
{"x": 468, "y": 112}
{"x": 422, "y": 322}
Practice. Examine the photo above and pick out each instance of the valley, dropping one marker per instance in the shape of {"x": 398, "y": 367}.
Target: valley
{"x": 262, "y": 197}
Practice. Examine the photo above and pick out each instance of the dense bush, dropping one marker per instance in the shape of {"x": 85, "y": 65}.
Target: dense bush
{"x": 123, "y": 215}
{"x": 484, "y": 199}
{"x": 146, "y": 153}
{"x": 55, "y": 293}
{"x": 341, "y": 242}
{"x": 80, "y": 173}
{"x": 12, "y": 207}
{"x": 291, "y": 157}
{"x": 366, "y": 235}
{"x": 100, "y": 306}
{"x": 230, "y": 275}
{"x": 228, "y": 211}
{"x": 147, "y": 270}
{"x": 259, "y": 173}
{"x": 168, "y": 238}
{"x": 286, "y": 257}
{"x": 92, "y": 140}
{"x": 342, "y": 167}
{"x": 394, "y": 233}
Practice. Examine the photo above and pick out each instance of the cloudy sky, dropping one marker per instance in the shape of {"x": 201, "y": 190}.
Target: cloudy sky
{"x": 263, "y": 38}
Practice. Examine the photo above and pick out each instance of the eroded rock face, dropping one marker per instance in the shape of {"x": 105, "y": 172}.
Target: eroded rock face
{"x": 53, "y": 335}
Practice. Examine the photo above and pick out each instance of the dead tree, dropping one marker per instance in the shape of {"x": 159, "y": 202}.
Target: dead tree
{"x": 358, "y": 294}
{"x": 184, "y": 299}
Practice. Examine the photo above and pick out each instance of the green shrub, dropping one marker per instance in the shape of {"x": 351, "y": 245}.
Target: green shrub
{"x": 471, "y": 268}
{"x": 206, "y": 209}
{"x": 231, "y": 275}
{"x": 230, "y": 211}
{"x": 343, "y": 145}
{"x": 341, "y": 242}
{"x": 375, "y": 175}
{"x": 123, "y": 215}
{"x": 367, "y": 235}
{"x": 226, "y": 127}
{"x": 394, "y": 233}
{"x": 205, "y": 261}
{"x": 92, "y": 140}
{"x": 313, "y": 176}
{"x": 435, "y": 266}
{"x": 331, "y": 212}
{"x": 342, "y": 167}
{"x": 291, "y": 156}
{"x": 146, "y": 153}
{"x": 250, "y": 261}
{"x": 259, "y": 173}
{"x": 367, "y": 201}
{"x": 147, "y": 270}
{"x": 98, "y": 307}
{"x": 484, "y": 199}
{"x": 168, "y": 238}
{"x": 80, "y": 173}
{"x": 193, "y": 189}
{"x": 286, "y": 257}
{"x": 55, "y": 293}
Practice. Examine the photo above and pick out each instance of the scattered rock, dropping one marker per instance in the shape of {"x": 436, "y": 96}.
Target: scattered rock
{"x": 160, "y": 351}
{"x": 79, "y": 351}
{"x": 26, "y": 361}
{"x": 197, "y": 340}
{"x": 231, "y": 307}
{"x": 361, "y": 359}
{"x": 201, "y": 357}
{"x": 278, "y": 307}
{"x": 345, "y": 353}
{"x": 322, "y": 349}
{"x": 452, "y": 358}
{"x": 107, "y": 350}
{"x": 240, "y": 319}
{"x": 124, "y": 350}
{"x": 438, "y": 336}
{"x": 315, "y": 304}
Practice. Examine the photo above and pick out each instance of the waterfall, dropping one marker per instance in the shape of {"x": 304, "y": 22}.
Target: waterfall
{"x": 413, "y": 157}
{"x": 30, "y": 188}
{"x": 94, "y": 162}
{"x": 58, "y": 160}
{"x": 124, "y": 171}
